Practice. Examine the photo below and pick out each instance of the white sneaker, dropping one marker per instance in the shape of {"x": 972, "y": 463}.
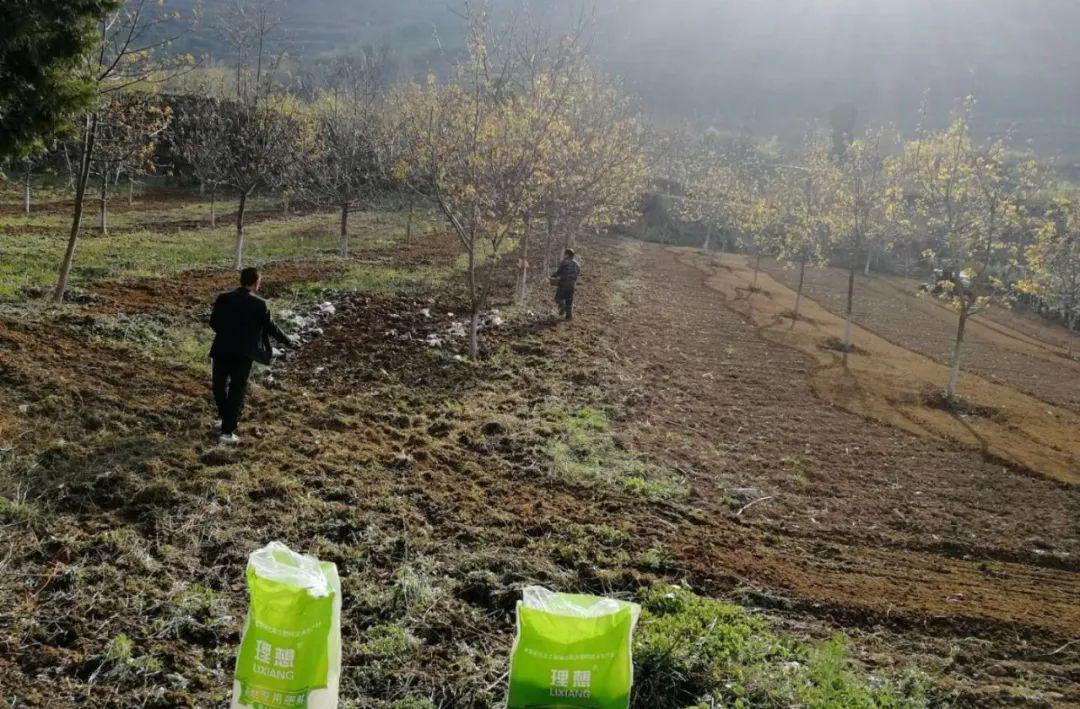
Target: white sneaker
{"x": 229, "y": 439}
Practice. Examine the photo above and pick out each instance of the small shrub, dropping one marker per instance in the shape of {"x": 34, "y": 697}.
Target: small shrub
{"x": 120, "y": 664}
{"x": 386, "y": 642}
{"x": 17, "y": 511}
{"x": 691, "y": 650}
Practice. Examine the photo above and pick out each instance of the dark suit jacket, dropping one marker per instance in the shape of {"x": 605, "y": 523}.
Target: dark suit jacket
{"x": 566, "y": 277}
{"x": 243, "y": 327}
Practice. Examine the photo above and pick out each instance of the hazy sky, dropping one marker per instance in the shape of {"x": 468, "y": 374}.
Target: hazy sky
{"x": 763, "y": 60}
{"x": 770, "y": 66}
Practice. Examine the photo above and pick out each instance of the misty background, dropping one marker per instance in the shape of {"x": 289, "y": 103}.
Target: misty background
{"x": 761, "y": 67}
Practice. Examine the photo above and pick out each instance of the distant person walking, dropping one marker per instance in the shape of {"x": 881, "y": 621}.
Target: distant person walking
{"x": 565, "y": 280}
{"x": 242, "y": 330}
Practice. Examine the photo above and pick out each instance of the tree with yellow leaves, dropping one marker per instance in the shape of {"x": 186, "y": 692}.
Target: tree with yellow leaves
{"x": 1053, "y": 261}
{"x": 594, "y": 172}
{"x": 480, "y": 146}
{"x": 721, "y": 181}
{"x": 967, "y": 197}
{"x": 808, "y": 190}
{"x": 859, "y": 206}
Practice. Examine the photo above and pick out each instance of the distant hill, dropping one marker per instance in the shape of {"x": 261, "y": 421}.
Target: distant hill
{"x": 421, "y": 32}
{"x": 768, "y": 65}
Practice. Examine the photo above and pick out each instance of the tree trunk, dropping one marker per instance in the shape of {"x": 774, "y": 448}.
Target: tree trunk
{"x": 409, "y": 219}
{"x": 551, "y": 221}
{"x": 954, "y": 370}
{"x": 798, "y": 293}
{"x": 284, "y": 205}
{"x": 474, "y": 334}
{"x": 474, "y": 304}
{"x": 131, "y": 191}
{"x": 1071, "y": 323}
{"x": 849, "y": 308}
{"x": 202, "y": 188}
{"x": 547, "y": 243}
{"x": 757, "y": 268}
{"x": 89, "y": 136}
{"x": 26, "y": 189}
{"x": 708, "y": 237}
{"x": 869, "y": 255}
{"x": 238, "y": 258}
{"x": 104, "y": 205}
{"x": 1074, "y": 325}
{"x": 523, "y": 275}
{"x": 343, "y": 244}
{"x": 213, "y": 207}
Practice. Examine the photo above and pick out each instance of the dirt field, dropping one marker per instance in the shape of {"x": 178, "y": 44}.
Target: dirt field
{"x": 864, "y": 524}
{"x": 436, "y": 487}
{"x": 1016, "y": 350}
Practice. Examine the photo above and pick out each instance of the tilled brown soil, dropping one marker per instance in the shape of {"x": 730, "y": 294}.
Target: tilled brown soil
{"x": 858, "y": 522}
{"x": 424, "y": 479}
{"x": 1032, "y": 359}
{"x": 194, "y": 290}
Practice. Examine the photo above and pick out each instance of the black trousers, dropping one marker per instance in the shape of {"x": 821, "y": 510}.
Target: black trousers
{"x": 565, "y": 299}
{"x": 231, "y": 374}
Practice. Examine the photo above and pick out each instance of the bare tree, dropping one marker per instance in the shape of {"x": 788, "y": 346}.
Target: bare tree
{"x": 127, "y": 53}
{"x": 481, "y": 146}
{"x": 251, "y": 28}
{"x": 263, "y": 145}
{"x": 34, "y": 158}
{"x": 355, "y": 149}
{"x": 199, "y": 136}
{"x": 128, "y": 126}
{"x": 266, "y": 138}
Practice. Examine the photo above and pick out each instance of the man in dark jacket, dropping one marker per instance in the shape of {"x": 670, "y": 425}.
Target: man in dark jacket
{"x": 565, "y": 280}
{"x": 242, "y": 330}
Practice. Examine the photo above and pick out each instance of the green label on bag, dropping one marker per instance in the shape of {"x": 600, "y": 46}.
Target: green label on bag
{"x": 283, "y": 653}
{"x": 562, "y": 661}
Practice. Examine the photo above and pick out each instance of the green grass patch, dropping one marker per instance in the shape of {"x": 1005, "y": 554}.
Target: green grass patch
{"x": 380, "y": 279}
{"x": 155, "y": 241}
{"x": 155, "y": 337}
{"x": 582, "y": 450}
{"x": 691, "y": 651}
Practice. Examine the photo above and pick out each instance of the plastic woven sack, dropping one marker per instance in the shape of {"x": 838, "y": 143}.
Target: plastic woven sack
{"x": 290, "y": 654}
{"x": 572, "y": 651}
